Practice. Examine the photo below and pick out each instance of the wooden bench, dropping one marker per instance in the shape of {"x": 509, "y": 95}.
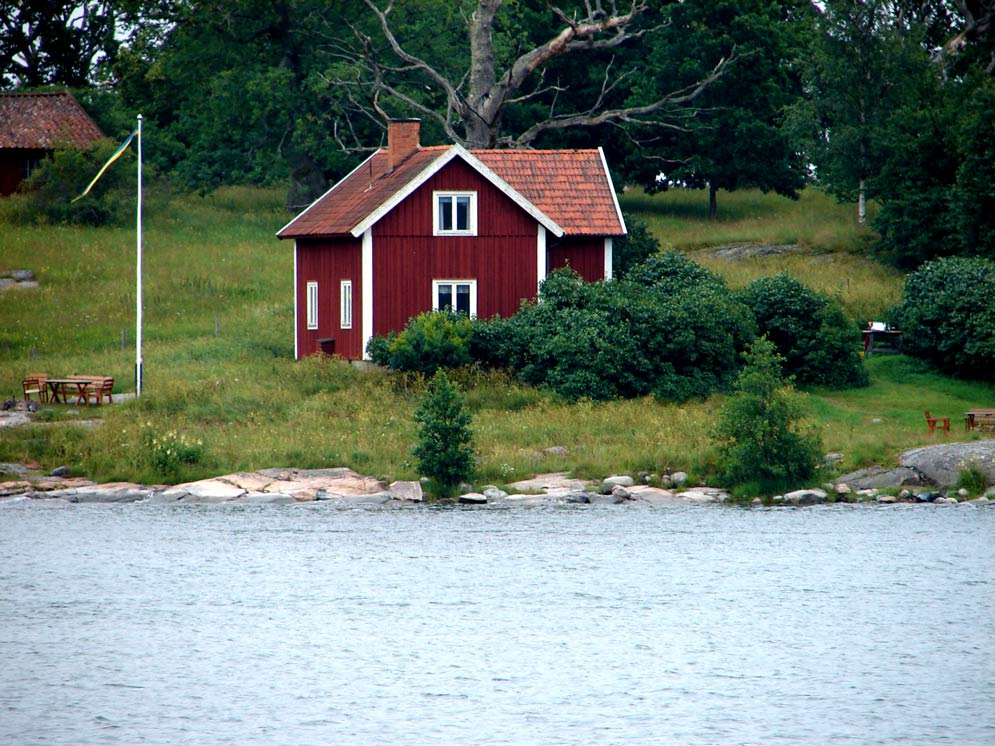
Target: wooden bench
{"x": 98, "y": 388}
{"x": 932, "y": 422}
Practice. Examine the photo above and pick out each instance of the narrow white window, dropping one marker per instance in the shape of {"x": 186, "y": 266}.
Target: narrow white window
{"x": 312, "y": 305}
{"x": 345, "y": 301}
{"x": 458, "y": 295}
{"x": 455, "y": 213}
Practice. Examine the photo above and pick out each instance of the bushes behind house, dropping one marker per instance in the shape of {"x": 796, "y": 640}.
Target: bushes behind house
{"x": 670, "y": 328}
{"x": 46, "y": 197}
{"x": 947, "y": 313}
{"x": 818, "y": 343}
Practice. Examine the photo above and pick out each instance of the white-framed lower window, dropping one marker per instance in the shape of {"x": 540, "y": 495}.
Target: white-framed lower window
{"x": 312, "y": 305}
{"x": 459, "y": 295}
{"x": 454, "y": 213}
{"x": 345, "y": 304}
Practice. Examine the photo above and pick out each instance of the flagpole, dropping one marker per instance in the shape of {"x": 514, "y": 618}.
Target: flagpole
{"x": 138, "y": 305}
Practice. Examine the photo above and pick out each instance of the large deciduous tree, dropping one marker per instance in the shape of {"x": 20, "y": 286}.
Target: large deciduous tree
{"x": 737, "y": 136}
{"x": 55, "y": 42}
{"x": 502, "y": 59}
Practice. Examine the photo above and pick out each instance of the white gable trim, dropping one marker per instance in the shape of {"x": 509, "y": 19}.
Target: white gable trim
{"x": 333, "y": 188}
{"x": 457, "y": 151}
{"x": 611, "y": 188}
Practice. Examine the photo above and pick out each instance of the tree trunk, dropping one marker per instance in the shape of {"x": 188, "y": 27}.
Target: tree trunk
{"x": 481, "y": 112}
{"x": 713, "y": 203}
{"x": 861, "y": 204}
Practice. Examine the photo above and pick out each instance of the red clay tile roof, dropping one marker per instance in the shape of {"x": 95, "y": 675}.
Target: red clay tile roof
{"x": 43, "y": 121}
{"x": 569, "y": 186}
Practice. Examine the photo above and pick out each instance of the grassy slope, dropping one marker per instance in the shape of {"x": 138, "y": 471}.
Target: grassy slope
{"x": 215, "y": 257}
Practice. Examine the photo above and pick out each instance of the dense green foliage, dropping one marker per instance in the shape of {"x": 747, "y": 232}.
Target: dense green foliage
{"x": 737, "y": 139}
{"x": 429, "y": 341}
{"x": 759, "y": 440}
{"x": 812, "y": 334}
{"x": 890, "y": 101}
{"x": 445, "y": 439}
{"x": 947, "y": 313}
{"x": 634, "y": 248}
{"x": 46, "y": 197}
{"x": 670, "y": 329}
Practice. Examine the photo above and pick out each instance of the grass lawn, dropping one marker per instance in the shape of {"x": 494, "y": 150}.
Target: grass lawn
{"x": 218, "y": 355}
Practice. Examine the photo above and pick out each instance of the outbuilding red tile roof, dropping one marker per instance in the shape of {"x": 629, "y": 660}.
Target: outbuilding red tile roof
{"x": 43, "y": 121}
{"x": 571, "y": 187}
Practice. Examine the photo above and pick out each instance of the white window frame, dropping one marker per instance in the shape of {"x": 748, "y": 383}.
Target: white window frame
{"x": 471, "y": 214}
{"x": 454, "y": 283}
{"x": 345, "y": 304}
{"x": 312, "y": 305}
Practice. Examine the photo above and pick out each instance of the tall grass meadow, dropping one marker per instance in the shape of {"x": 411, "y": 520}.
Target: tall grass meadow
{"x": 221, "y": 384}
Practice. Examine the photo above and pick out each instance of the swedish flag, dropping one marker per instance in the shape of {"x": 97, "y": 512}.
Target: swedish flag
{"x": 114, "y": 157}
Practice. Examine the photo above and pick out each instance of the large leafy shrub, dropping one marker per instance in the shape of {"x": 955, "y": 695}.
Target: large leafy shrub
{"x": 46, "y": 197}
{"x": 947, "y": 313}
{"x": 817, "y": 341}
{"x": 759, "y": 441}
{"x": 671, "y": 329}
{"x": 445, "y": 440}
{"x": 431, "y": 340}
{"x": 634, "y": 248}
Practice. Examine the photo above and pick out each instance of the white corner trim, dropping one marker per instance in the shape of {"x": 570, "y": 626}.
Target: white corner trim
{"x": 611, "y": 188}
{"x": 366, "y": 280}
{"x": 542, "y": 258}
{"x": 433, "y": 168}
{"x": 332, "y": 189}
{"x": 297, "y": 319}
{"x": 608, "y": 258}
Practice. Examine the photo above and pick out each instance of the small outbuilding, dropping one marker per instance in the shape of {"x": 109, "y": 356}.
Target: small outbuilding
{"x": 32, "y": 125}
{"x": 416, "y": 228}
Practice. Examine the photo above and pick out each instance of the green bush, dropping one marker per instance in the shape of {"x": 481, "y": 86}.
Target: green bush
{"x": 756, "y": 431}
{"x": 445, "y": 440}
{"x": 675, "y": 333}
{"x": 671, "y": 272}
{"x": 431, "y": 340}
{"x": 46, "y": 197}
{"x": 819, "y": 344}
{"x": 947, "y": 313}
{"x": 634, "y": 248}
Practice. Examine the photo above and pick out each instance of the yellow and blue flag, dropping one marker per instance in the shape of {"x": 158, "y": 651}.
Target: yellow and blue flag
{"x": 114, "y": 157}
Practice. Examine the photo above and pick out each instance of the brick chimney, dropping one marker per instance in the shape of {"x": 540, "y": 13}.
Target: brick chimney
{"x": 402, "y": 140}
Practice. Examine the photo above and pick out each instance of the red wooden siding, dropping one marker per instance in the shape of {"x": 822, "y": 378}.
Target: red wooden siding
{"x": 585, "y": 255}
{"x": 328, "y": 261}
{"x": 407, "y": 257}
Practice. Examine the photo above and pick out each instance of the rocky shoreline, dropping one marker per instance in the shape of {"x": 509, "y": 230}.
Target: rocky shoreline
{"x": 342, "y": 487}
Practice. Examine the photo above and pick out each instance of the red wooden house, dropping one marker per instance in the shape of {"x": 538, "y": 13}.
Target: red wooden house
{"x": 415, "y": 228}
{"x": 32, "y": 125}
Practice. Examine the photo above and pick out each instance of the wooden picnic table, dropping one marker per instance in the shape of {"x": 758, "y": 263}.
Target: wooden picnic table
{"x": 62, "y": 388}
{"x": 979, "y": 419}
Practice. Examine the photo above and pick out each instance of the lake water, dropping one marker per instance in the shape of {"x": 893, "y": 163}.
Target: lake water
{"x": 297, "y": 625}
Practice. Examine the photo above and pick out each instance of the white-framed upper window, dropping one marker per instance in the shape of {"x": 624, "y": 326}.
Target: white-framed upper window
{"x": 454, "y": 213}
{"x": 459, "y": 295}
{"x": 345, "y": 304}
{"x": 312, "y": 305}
